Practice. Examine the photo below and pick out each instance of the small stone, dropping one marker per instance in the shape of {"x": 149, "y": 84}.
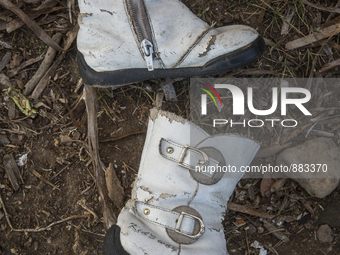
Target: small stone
{"x": 324, "y": 234}
{"x": 260, "y": 230}
{"x": 251, "y": 229}
{"x": 15, "y": 139}
{"x": 331, "y": 215}
{"x": 65, "y": 139}
{"x": 4, "y": 140}
{"x": 318, "y": 153}
{"x": 76, "y": 135}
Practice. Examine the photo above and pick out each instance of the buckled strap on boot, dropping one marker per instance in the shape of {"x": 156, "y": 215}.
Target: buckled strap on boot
{"x": 182, "y": 223}
{"x": 188, "y": 157}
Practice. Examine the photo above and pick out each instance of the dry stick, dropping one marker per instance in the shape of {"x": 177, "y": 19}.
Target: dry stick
{"x": 17, "y": 23}
{"x": 50, "y": 55}
{"x": 44, "y": 180}
{"x": 327, "y": 9}
{"x": 5, "y": 212}
{"x": 71, "y": 35}
{"x": 273, "y": 230}
{"x": 25, "y": 64}
{"x": 329, "y": 66}
{"x": 331, "y": 15}
{"x": 247, "y": 210}
{"x": 31, "y": 24}
{"x": 51, "y": 225}
{"x": 37, "y": 229}
{"x": 90, "y": 101}
{"x": 314, "y": 37}
{"x": 81, "y": 202}
{"x": 118, "y": 137}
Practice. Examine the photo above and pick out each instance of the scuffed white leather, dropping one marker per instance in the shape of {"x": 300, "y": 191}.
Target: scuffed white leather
{"x": 163, "y": 183}
{"x": 107, "y": 42}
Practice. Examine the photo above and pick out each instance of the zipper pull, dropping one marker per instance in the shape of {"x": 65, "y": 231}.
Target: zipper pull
{"x": 147, "y": 48}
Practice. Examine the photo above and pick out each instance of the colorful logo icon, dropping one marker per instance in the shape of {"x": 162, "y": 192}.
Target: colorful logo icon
{"x": 219, "y": 105}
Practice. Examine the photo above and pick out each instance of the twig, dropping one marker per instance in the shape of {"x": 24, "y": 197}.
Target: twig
{"x": 44, "y": 8}
{"x": 71, "y": 35}
{"x": 118, "y": 137}
{"x": 62, "y": 170}
{"x": 276, "y": 232}
{"x": 50, "y": 55}
{"x": 31, "y": 24}
{"x": 5, "y": 212}
{"x": 90, "y": 100}
{"x": 43, "y": 179}
{"x": 29, "y": 62}
{"x": 327, "y": 9}
{"x": 247, "y": 210}
{"x": 314, "y": 37}
{"x": 81, "y": 202}
{"x": 51, "y": 225}
{"x": 329, "y": 66}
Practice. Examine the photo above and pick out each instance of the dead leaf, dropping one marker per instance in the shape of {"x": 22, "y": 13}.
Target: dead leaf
{"x": 277, "y": 185}
{"x": 12, "y": 170}
{"x": 16, "y": 60}
{"x": 4, "y": 81}
{"x": 65, "y": 139}
{"x": 266, "y": 183}
{"x": 115, "y": 189}
{"x": 5, "y": 60}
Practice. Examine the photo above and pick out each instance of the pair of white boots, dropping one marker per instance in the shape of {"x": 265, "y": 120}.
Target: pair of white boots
{"x": 174, "y": 209}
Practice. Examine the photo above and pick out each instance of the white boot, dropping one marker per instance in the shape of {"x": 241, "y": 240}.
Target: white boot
{"x": 126, "y": 41}
{"x": 174, "y": 209}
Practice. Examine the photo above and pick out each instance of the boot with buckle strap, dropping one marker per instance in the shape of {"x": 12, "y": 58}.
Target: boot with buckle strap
{"x": 128, "y": 41}
{"x": 180, "y": 195}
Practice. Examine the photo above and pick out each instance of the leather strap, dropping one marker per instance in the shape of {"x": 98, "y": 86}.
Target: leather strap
{"x": 188, "y": 157}
{"x": 182, "y": 223}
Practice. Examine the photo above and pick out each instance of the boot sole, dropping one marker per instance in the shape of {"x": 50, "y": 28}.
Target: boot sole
{"x": 224, "y": 63}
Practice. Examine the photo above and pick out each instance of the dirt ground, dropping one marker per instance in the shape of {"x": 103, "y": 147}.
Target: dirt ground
{"x": 57, "y": 209}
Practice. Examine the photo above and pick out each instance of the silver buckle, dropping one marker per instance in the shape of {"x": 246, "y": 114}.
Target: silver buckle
{"x": 184, "y": 152}
{"x": 179, "y": 223}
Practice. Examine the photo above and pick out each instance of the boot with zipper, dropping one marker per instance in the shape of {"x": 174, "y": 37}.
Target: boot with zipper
{"x": 127, "y": 41}
{"x": 179, "y": 197}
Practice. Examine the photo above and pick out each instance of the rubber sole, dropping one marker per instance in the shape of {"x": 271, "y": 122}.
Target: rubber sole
{"x": 112, "y": 245}
{"x": 224, "y": 63}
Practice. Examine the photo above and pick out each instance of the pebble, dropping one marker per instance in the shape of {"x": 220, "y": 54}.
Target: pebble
{"x": 251, "y": 230}
{"x": 331, "y": 215}
{"x": 317, "y": 151}
{"x": 324, "y": 234}
{"x": 4, "y": 140}
{"x": 15, "y": 139}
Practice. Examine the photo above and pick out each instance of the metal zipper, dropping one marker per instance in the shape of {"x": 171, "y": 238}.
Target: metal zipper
{"x": 141, "y": 25}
